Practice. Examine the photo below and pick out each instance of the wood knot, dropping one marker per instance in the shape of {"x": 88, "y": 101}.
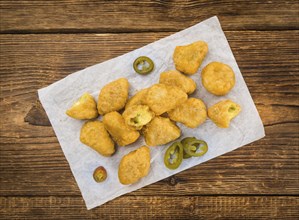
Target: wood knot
{"x": 172, "y": 181}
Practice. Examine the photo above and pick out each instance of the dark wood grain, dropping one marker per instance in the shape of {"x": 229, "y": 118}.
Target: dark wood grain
{"x": 71, "y": 16}
{"x": 269, "y": 166}
{"x": 153, "y": 207}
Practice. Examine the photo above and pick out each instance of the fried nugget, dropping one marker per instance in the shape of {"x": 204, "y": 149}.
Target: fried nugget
{"x": 137, "y": 116}
{"x": 134, "y": 166}
{"x": 113, "y": 96}
{"x": 223, "y": 112}
{"x": 191, "y": 113}
{"x": 137, "y": 99}
{"x": 162, "y": 98}
{"x": 160, "y": 131}
{"x": 84, "y": 108}
{"x": 121, "y": 133}
{"x": 218, "y": 78}
{"x": 188, "y": 58}
{"x": 175, "y": 78}
{"x": 94, "y": 135}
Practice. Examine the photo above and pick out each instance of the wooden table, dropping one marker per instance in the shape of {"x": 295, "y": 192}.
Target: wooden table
{"x": 44, "y": 41}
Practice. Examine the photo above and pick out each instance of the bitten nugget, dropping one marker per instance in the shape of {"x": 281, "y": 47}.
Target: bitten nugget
{"x": 175, "y": 78}
{"x": 223, "y": 112}
{"x": 191, "y": 113}
{"x": 113, "y": 96}
{"x": 218, "y": 78}
{"x": 134, "y": 166}
{"x": 84, "y": 108}
{"x": 188, "y": 58}
{"x": 94, "y": 135}
{"x": 138, "y": 98}
{"x": 121, "y": 133}
{"x": 137, "y": 116}
{"x": 160, "y": 131}
{"x": 162, "y": 98}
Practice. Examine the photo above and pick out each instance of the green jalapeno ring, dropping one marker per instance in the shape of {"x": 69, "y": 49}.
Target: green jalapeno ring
{"x": 143, "y": 61}
{"x": 184, "y": 142}
{"x": 176, "y": 149}
{"x": 199, "y": 144}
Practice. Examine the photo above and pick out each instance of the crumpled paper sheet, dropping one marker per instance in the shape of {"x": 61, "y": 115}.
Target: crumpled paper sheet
{"x": 58, "y": 97}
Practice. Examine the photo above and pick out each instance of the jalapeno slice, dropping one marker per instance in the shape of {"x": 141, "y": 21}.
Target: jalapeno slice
{"x": 185, "y": 141}
{"x": 192, "y": 146}
{"x": 174, "y": 156}
{"x": 143, "y": 65}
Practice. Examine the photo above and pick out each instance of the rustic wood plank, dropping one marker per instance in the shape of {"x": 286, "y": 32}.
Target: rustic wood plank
{"x": 31, "y": 160}
{"x": 153, "y": 207}
{"x": 71, "y": 16}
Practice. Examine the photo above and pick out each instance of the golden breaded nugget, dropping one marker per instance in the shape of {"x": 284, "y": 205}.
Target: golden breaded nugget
{"x": 138, "y": 98}
{"x": 175, "y": 78}
{"x": 162, "y": 98}
{"x": 137, "y": 116}
{"x": 191, "y": 113}
{"x": 134, "y": 166}
{"x": 84, "y": 108}
{"x": 223, "y": 112}
{"x": 121, "y": 133}
{"x": 160, "y": 131}
{"x": 94, "y": 135}
{"x": 113, "y": 96}
{"x": 188, "y": 58}
{"x": 218, "y": 78}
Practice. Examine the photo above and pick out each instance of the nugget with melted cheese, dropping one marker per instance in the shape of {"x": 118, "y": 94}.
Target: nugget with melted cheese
{"x": 223, "y": 112}
{"x": 84, "y": 108}
{"x": 113, "y": 96}
{"x": 175, "y": 78}
{"x": 191, "y": 113}
{"x": 188, "y": 58}
{"x": 160, "y": 131}
{"x": 134, "y": 166}
{"x": 137, "y": 116}
{"x": 162, "y": 98}
{"x": 218, "y": 78}
{"x": 121, "y": 133}
{"x": 94, "y": 135}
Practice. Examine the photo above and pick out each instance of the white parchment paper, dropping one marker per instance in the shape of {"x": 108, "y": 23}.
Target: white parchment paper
{"x": 58, "y": 97}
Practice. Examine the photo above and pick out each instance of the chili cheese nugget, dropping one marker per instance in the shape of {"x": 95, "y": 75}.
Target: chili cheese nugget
{"x": 218, "y": 78}
{"x": 175, "y": 78}
{"x": 138, "y": 98}
{"x": 113, "y": 96}
{"x": 134, "y": 166}
{"x": 160, "y": 131}
{"x": 84, "y": 108}
{"x": 137, "y": 116}
{"x": 94, "y": 135}
{"x": 191, "y": 113}
{"x": 121, "y": 133}
{"x": 188, "y": 58}
{"x": 162, "y": 98}
{"x": 223, "y": 112}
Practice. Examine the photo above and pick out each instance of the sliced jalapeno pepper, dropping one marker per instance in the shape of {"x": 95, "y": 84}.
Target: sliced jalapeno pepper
{"x": 185, "y": 141}
{"x": 143, "y": 65}
{"x": 174, "y": 156}
{"x": 193, "y": 146}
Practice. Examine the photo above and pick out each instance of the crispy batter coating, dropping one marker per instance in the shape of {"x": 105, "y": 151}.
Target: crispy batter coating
{"x": 113, "y": 96}
{"x": 121, "y": 133}
{"x": 84, "y": 108}
{"x": 191, "y": 113}
{"x": 137, "y": 99}
{"x": 94, "y": 135}
{"x": 162, "y": 98}
{"x": 188, "y": 58}
{"x": 137, "y": 116}
{"x": 218, "y": 78}
{"x": 223, "y": 112}
{"x": 134, "y": 166}
{"x": 160, "y": 131}
{"x": 175, "y": 78}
